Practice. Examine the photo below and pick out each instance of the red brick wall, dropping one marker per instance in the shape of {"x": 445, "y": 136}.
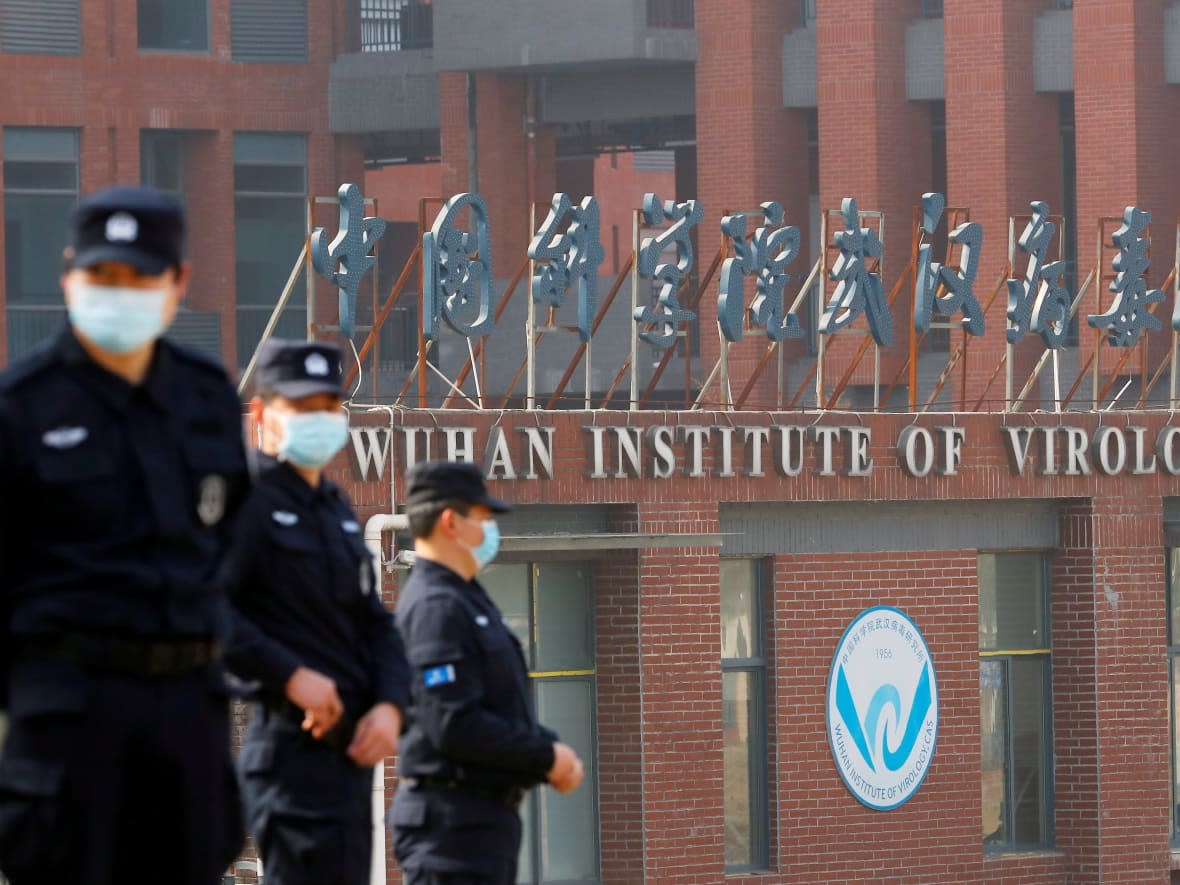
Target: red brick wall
{"x": 112, "y": 91}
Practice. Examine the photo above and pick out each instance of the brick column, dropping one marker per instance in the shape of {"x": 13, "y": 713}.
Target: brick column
{"x": 208, "y": 174}
{"x": 1110, "y": 688}
{"x": 874, "y": 145}
{"x": 507, "y": 158}
{"x": 750, "y": 149}
{"x": 1125, "y": 114}
{"x": 680, "y": 674}
{"x": 995, "y": 165}
{"x": 619, "y": 711}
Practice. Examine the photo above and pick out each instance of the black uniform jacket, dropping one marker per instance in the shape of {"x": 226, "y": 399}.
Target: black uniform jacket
{"x": 117, "y": 499}
{"x": 471, "y": 718}
{"x": 301, "y": 582}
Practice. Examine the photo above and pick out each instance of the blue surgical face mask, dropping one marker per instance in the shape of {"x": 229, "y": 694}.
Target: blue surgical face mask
{"x": 311, "y": 439}
{"x": 486, "y": 550}
{"x": 117, "y": 318}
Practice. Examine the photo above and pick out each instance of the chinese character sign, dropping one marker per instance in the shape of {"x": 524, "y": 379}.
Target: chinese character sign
{"x": 958, "y": 283}
{"x": 765, "y": 255}
{"x": 666, "y": 315}
{"x": 563, "y": 257}
{"x": 1128, "y": 315}
{"x": 858, "y": 291}
{"x": 457, "y": 271}
{"x": 1039, "y": 302}
{"x": 346, "y": 260}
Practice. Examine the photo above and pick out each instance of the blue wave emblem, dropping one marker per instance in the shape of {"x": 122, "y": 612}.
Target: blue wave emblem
{"x": 862, "y": 731}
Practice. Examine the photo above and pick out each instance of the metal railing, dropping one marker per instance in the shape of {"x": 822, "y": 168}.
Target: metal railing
{"x": 670, "y": 14}
{"x": 390, "y": 25}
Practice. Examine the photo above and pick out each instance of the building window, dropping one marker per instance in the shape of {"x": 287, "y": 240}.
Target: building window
{"x": 806, "y": 13}
{"x": 743, "y": 704}
{"x": 394, "y": 25}
{"x": 41, "y": 27}
{"x": 161, "y": 161}
{"x": 173, "y": 25}
{"x": 270, "y": 228}
{"x": 1174, "y": 681}
{"x": 550, "y": 608}
{"x": 1015, "y": 689}
{"x": 40, "y": 189}
{"x": 273, "y": 31}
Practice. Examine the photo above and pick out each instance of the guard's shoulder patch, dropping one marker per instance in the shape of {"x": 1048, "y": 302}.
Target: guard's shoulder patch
{"x": 444, "y": 674}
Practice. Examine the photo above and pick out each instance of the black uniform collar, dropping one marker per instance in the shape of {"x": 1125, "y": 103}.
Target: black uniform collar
{"x": 114, "y": 390}
{"x": 449, "y": 574}
{"x": 284, "y": 476}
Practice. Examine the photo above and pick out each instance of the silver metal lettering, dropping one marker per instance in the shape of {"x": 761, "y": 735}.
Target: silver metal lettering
{"x": 373, "y": 452}
{"x": 1075, "y": 452}
{"x": 412, "y": 444}
{"x": 1100, "y": 448}
{"x": 757, "y": 437}
{"x": 725, "y": 467}
{"x": 952, "y": 449}
{"x": 540, "y": 449}
{"x": 1142, "y": 465}
{"x": 856, "y": 453}
{"x": 695, "y": 435}
{"x": 629, "y": 445}
{"x": 907, "y": 449}
{"x": 659, "y": 440}
{"x": 497, "y": 459}
{"x": 1017, "y": 441}
{"x": 1165, "y": 449}
{"x": 826, "y": 437}
{"x": 460, "y": 443}
{"x": 596, "y": 452}
{"x": 789, "y": 454}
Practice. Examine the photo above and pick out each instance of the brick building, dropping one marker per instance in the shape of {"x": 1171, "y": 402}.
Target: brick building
{"x": 682, "y": 578}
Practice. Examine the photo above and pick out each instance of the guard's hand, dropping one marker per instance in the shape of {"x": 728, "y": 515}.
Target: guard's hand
{"x": 566, "y": 774}
{"x": 315, "y": 694}
{"x": 376, "y": 735}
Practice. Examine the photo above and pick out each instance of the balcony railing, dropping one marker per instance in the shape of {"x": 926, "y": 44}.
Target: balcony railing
{"x": 390, "y": 25}
{"x": 670, "y": 13}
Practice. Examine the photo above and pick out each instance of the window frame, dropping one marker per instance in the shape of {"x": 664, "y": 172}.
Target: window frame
{"x": 1006, "y": 656}
{"x": 163, "y": 50}
{"x": 759, "y": 744}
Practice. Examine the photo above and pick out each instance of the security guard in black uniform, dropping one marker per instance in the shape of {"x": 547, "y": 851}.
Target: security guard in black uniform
{"x": 122, "y": 466}
{"x": 473, "y": 745}
{"x": 312, "y": 632}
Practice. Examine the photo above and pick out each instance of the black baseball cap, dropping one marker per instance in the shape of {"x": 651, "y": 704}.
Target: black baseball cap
{"x": 132, "y": 225}
{"x": 296, "y": 369}
{"x": 432, "y": 482}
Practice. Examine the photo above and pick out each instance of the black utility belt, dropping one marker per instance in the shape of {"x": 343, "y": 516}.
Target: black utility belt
{"x": 339, "y": 737}
{"x": 131, "y": 656}
{"x": 510, "y": 796}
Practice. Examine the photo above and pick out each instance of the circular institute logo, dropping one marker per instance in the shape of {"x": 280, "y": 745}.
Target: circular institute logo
{"x": 882, "y": 708}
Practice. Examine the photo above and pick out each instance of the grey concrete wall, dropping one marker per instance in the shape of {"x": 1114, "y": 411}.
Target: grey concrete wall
{"x": 858, "y": 527}
{"x": 383, "y": 91}
{"x": 925, "y": 74}
{"x": 505, "y": 34}
{"x": 799, "y": 69}
{"x": 618, "y": 94}
{"x": 1053, "y": 51}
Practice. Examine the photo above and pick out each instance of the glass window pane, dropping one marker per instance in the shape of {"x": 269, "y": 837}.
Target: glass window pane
{"x": 161, "y": 160}
{"x": 36, "y": 230}
{"x": 177, "y": 25}
{"x": 1175, "y": 747}
{"x": 1029, "y": 750}
{"x": 1012, "y": 601}
{"x": 569, "y": 827}
{"x": 994, "y": 731}
{"x": 742, "y": 735}
{"x": 508, "y": 585}
{"x": 565, "y": 623}
{"x": 40, "y": 176}
{"x": 41, "y": 144}
{"x": 277, "y": 179}
{"x": 1174, "y": 596}
{"x": 270, "y": 148}
{"x": 741, "y": 634}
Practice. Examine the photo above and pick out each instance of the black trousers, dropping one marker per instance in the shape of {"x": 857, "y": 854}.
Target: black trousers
{"x": 308, "y": 805}
{"x": 105, "y": 774}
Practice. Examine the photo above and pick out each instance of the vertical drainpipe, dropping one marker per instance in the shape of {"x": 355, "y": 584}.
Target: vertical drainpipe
{"x": 472, "y": 137}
